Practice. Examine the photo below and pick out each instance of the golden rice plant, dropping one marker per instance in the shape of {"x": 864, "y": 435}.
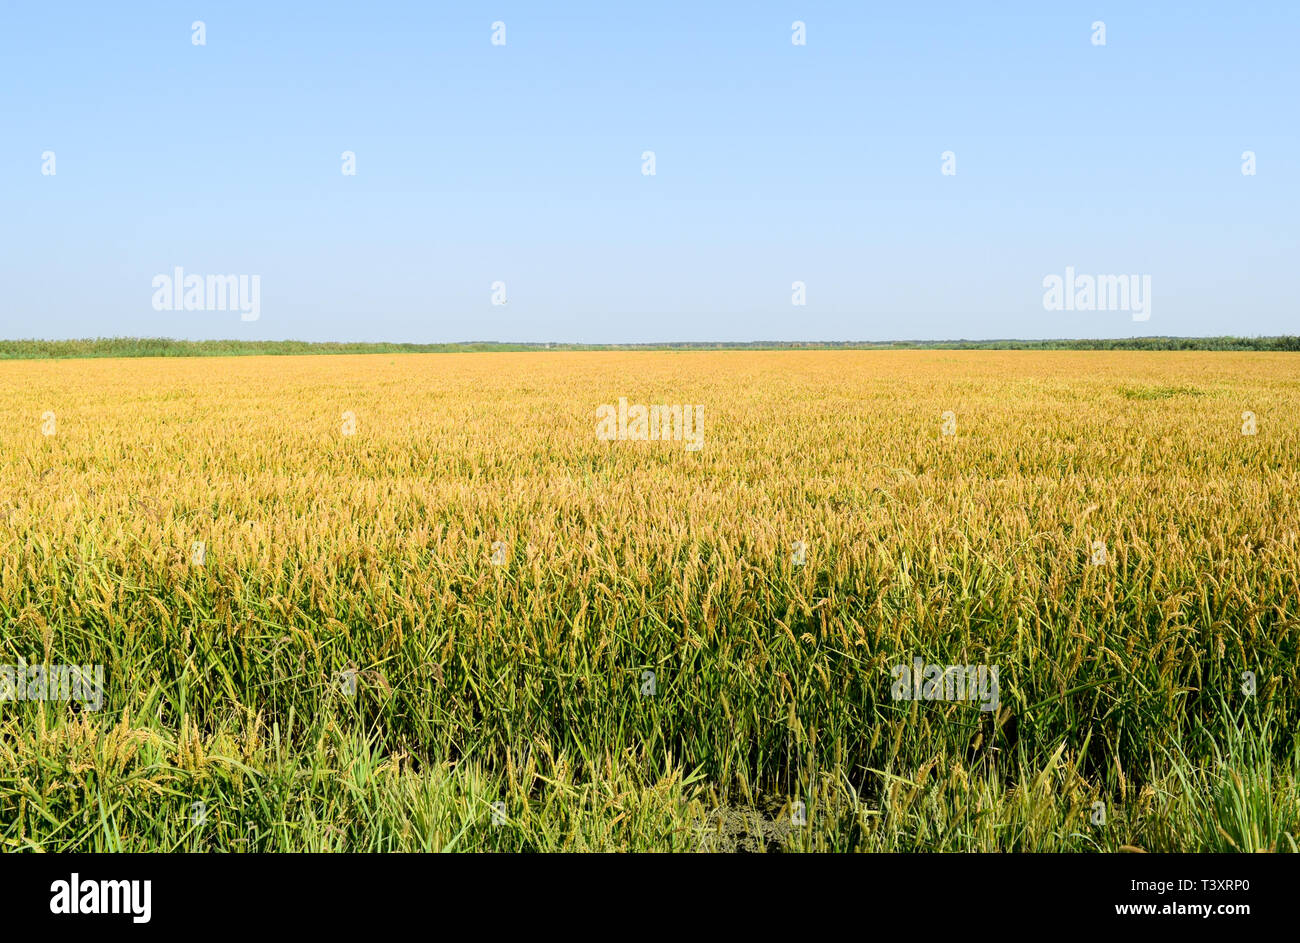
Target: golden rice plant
{"x": 415, "y": 602}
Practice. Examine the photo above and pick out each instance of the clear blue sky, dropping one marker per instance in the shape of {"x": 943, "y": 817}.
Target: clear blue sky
{"x": 522, "y": 163}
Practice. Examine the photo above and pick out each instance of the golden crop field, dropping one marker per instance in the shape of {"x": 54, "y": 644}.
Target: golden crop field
{"x": 417, "y": 602}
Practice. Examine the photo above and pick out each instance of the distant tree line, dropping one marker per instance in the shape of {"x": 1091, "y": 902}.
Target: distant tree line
{"x": 164, "y": 347}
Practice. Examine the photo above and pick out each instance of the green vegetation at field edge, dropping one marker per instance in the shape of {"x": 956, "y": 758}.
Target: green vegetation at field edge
{"x": 166, "y": 347}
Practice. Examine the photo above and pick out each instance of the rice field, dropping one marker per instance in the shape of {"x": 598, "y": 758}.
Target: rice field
{"x": 419, "y": 602}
